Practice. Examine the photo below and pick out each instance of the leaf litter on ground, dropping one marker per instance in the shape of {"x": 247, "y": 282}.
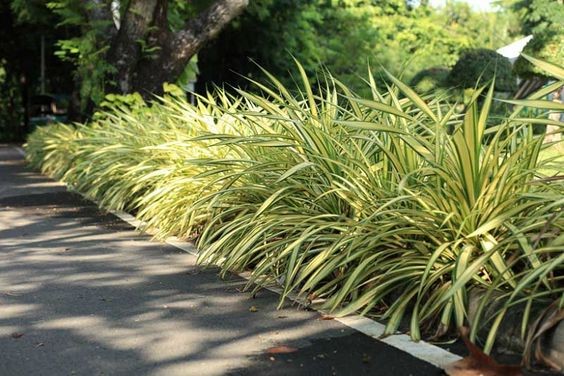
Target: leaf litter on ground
{"x": 478, "y": 363}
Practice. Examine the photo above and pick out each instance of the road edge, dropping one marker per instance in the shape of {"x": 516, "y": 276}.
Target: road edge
{"x": 422, "y": 350}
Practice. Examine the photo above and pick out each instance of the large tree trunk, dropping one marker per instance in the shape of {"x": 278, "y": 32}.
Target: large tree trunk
{"x": 126, "y": 48}
{"x": 146, "y": 20}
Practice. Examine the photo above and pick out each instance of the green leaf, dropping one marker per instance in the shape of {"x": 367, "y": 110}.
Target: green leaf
{"x": 552, "y": 69}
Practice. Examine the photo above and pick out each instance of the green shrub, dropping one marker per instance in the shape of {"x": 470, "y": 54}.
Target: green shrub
{"x": 482, "y": 65}
{"x": 392, "y": 205}
{"x": 429, "y": 80}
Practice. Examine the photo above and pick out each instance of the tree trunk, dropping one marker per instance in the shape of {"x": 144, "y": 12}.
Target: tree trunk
{"x": 145, "y": 54}
{"x": 126, "y": 49}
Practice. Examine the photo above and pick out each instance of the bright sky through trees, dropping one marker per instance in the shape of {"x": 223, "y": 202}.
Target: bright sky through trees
{"x": 476, "y": 4}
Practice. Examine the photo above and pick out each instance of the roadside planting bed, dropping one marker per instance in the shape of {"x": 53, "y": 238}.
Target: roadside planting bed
{"x": 396, "y": 205}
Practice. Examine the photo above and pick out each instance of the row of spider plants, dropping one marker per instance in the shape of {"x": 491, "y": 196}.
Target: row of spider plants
{"x": 397, "y": 205}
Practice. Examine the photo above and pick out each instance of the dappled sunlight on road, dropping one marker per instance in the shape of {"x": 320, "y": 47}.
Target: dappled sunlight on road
{"x": 18, "y": 310}
{"x": 81, "y": 292}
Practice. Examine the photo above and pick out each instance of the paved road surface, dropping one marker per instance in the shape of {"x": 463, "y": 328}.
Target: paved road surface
{"x": 82, "y": 293}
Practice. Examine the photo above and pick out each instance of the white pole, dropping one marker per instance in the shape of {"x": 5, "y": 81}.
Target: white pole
{"x": 42, "y": 64}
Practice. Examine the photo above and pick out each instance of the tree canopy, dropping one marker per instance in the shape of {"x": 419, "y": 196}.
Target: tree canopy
{"x": 544, "y": 19}
{"x": 124, "y": 46}
{"x": 135, "y": 45}
{"x": 346, "y": 36}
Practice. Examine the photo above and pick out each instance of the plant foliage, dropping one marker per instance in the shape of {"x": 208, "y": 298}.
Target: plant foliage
{"x": 391, "y": 205}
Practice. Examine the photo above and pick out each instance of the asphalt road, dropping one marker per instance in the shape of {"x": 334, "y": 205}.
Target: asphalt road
{"x": 83, "y": 293}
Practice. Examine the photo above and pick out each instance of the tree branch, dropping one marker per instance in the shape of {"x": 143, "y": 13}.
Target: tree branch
{"x": 177, "y": 49}
{"x": 206, "y": 26}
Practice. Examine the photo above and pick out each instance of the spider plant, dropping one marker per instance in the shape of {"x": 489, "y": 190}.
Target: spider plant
{"x": 395, "y": 205}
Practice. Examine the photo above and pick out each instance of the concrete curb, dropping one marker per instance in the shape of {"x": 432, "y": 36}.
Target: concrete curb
{"x": 422, "y": 350}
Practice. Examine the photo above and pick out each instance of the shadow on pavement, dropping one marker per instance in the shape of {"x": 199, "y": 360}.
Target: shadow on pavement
{"x": 81, "y": 293}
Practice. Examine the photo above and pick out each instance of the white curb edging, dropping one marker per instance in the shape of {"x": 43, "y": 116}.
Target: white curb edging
{"x": 421, "y": 350}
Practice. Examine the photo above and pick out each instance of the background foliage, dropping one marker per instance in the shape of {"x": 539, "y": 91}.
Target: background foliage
{"x": 344, "y": 36}
{"x": 347, "y": 37}
{"x": 544, "y": 19}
